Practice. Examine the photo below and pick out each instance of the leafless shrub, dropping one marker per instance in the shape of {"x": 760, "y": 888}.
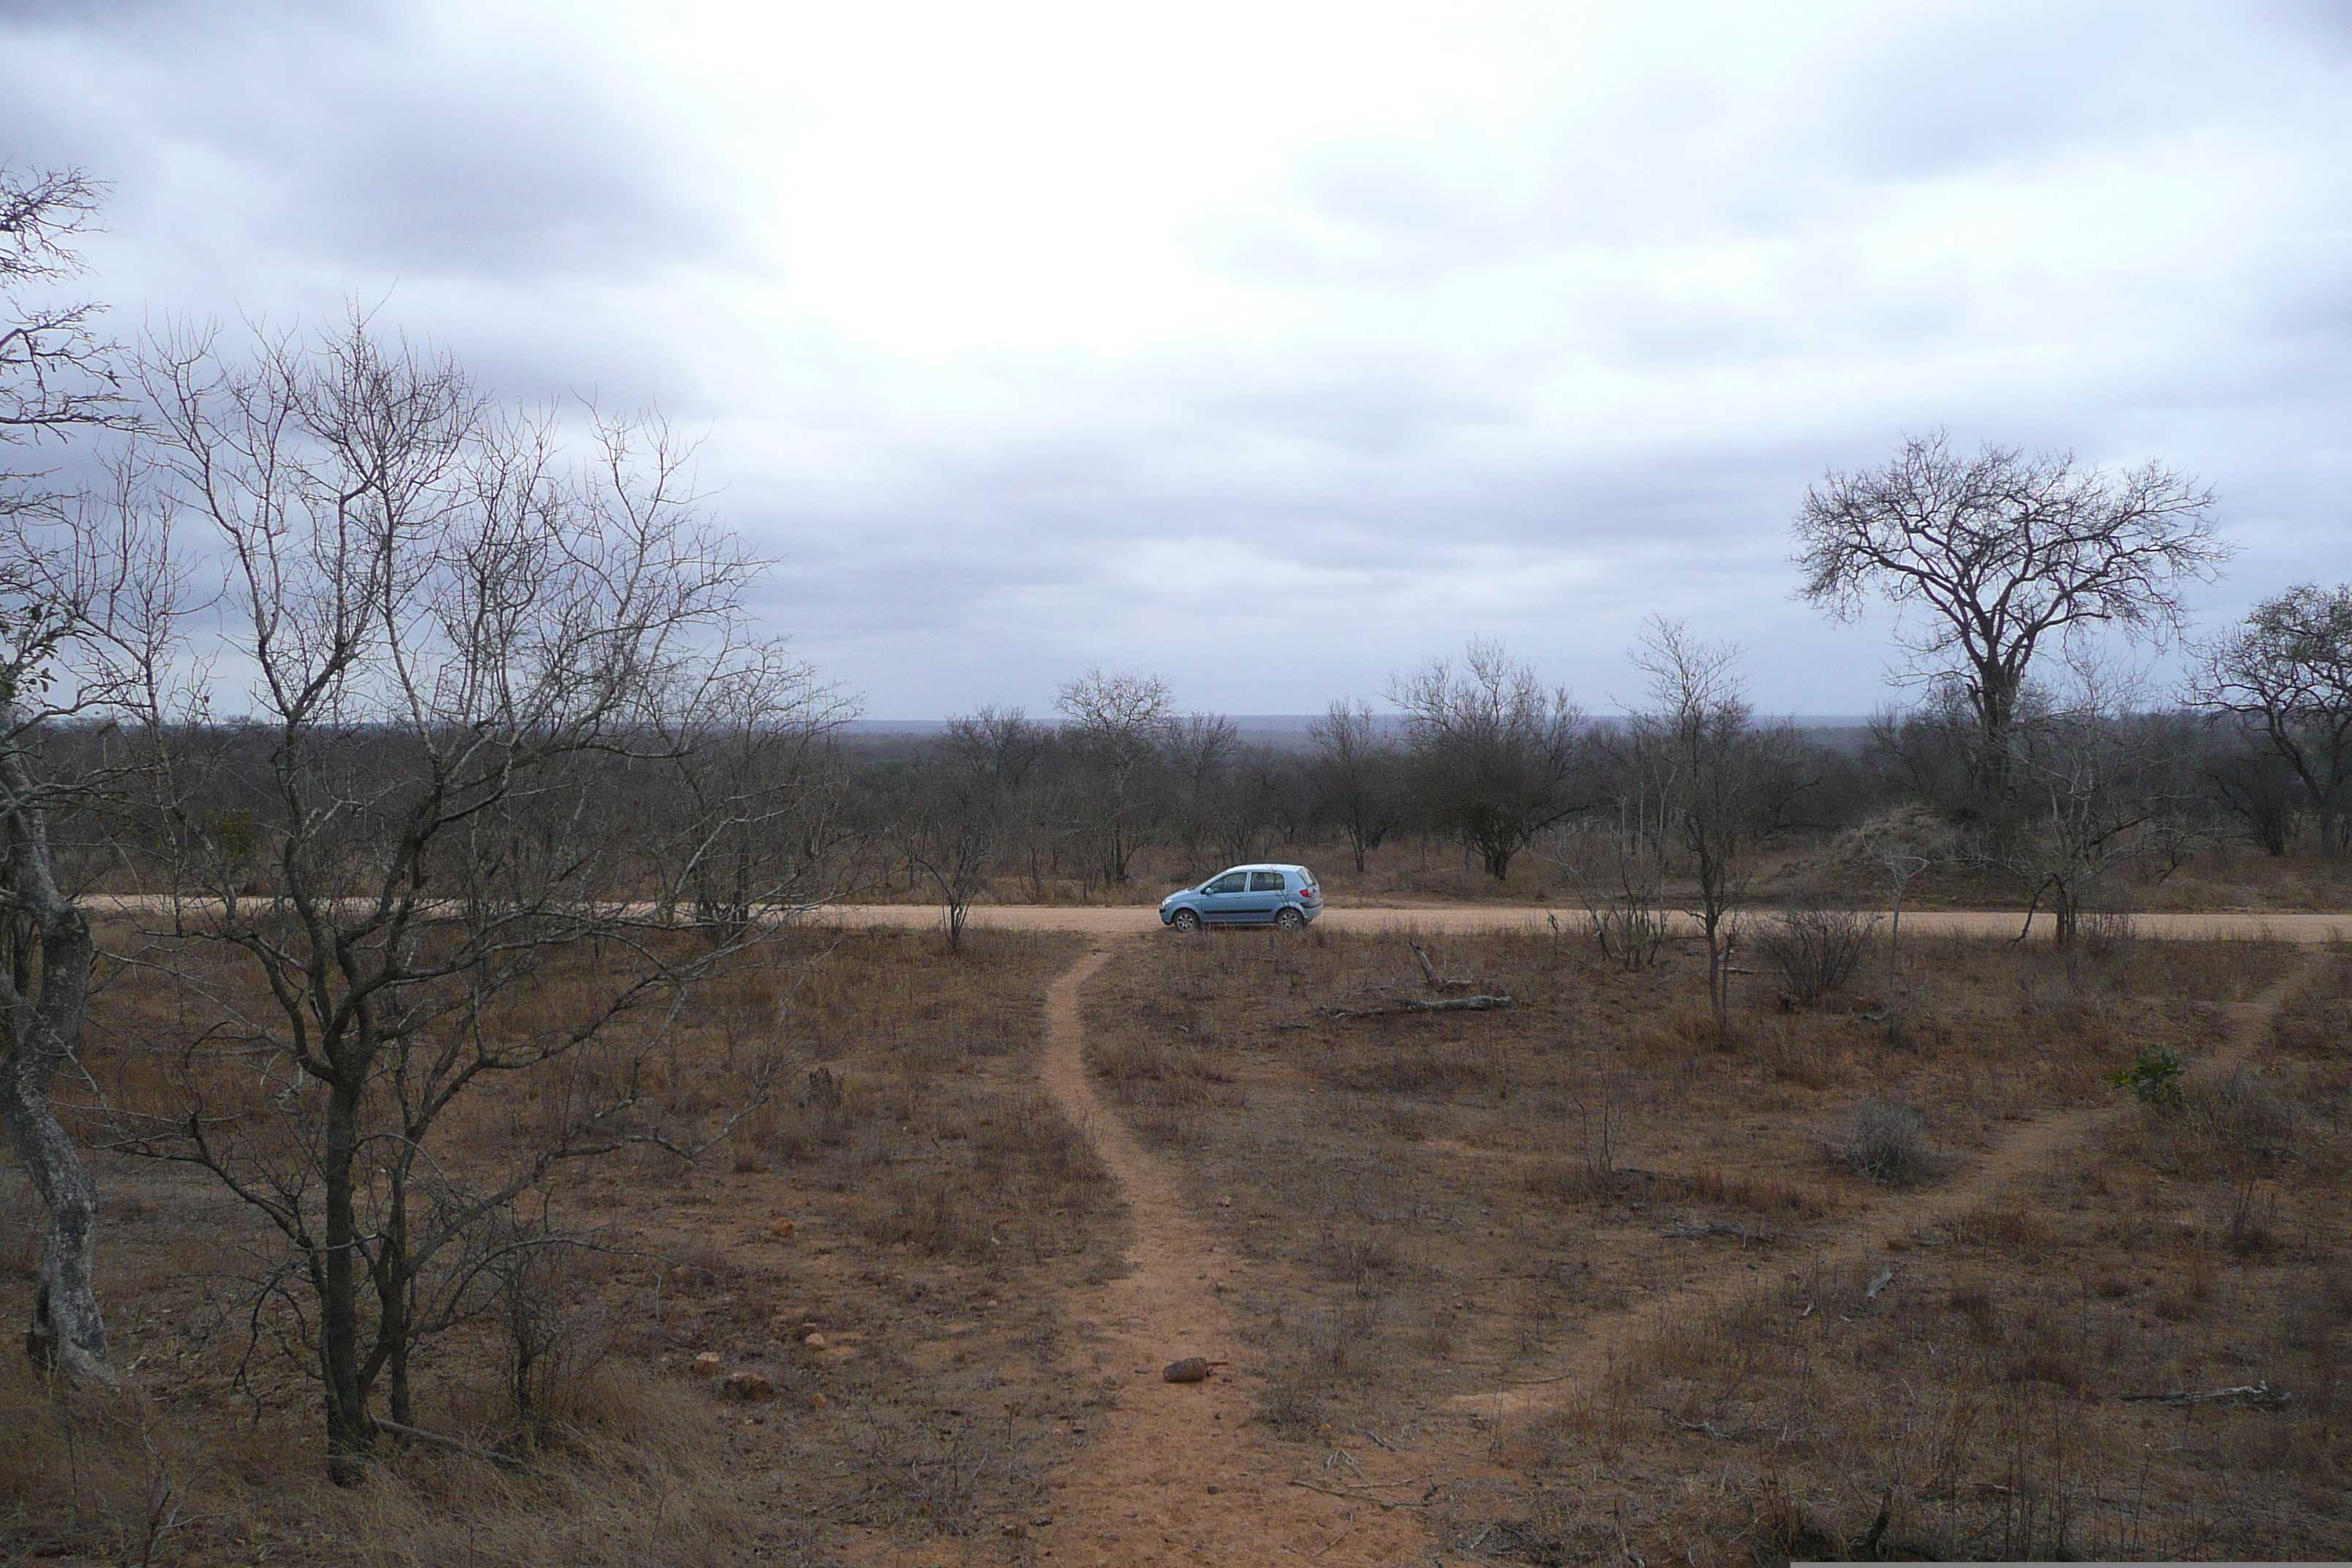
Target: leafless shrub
{"x": 1618, "y": 877}
{"x": 1592, "y": 1121}
{"x": 2107, "y": 931}
{"x": 551, "y": 1340}
{"x": 2231, "y": 1129}
{"x": 932, "y": 1476}
{"x": 2253, "y": 1211}
{"x": 1360, "y": 1259}
{"x": 2242, "y": 1109}
{"x": 1888, "y": 1144}
{"x": 932, "y": 1211}
{"x": 1292, "y": 1407}
{"x": 1814, "y": 953}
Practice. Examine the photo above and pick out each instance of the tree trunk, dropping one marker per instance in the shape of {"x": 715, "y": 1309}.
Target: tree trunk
{"x": 1895, "y": 938}
{"x": 1996, "y": 704}
{"x": 1718, "y": 980}
{"x": 350, "y": 1430}
{"x": 42, "y": 1024}
{"x": 2066, "y": 914}
{"x": 67, "y": 1331}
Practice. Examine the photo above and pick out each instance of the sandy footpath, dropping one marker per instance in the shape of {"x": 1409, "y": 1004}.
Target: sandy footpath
{"x": 1180, "y": 1474}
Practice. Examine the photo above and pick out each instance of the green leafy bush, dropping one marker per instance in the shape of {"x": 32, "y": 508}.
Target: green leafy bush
{"x": 2155, "y": 1077}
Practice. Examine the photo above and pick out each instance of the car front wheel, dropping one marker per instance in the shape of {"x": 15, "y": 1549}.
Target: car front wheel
{"x": 1289, "y": 919}
{"x": 1185, "y": 921}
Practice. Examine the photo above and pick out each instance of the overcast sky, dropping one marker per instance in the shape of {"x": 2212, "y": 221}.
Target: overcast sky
{"x": 1279, "y": 347}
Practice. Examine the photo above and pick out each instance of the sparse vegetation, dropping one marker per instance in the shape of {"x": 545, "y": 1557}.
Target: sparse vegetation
{"x": 2155, "y": 1077}
{"x": 1887, "y": 1143}
{"x": 1563, "y": 1259}
{"x": 1814, "y": 953}
{"x": 910, "y": 1197}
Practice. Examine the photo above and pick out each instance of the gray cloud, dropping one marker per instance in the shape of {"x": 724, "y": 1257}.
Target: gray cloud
{"x": 1533, "y": 376}
{"x": 352, "y": 137}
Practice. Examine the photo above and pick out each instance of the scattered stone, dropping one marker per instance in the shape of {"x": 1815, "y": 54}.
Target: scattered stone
{"x": 1015, "y": 1530}
{"x": 1191, "y": 1369}
{"x": 708, "y": 1363}
{"x": 750, "y": 1385}
{"x": 814, "y": 1342}
{"x": 818, "y": 1402}
{"x": 781, "y": 1229}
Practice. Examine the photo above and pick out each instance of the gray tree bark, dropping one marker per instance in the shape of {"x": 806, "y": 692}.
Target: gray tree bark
{"x": 41, "y": 1010}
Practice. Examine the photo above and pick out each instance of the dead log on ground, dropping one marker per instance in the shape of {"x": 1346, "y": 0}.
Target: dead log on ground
{"x": 2254, "y": 1395}
{"x": 1699, "y": 1230}
{"x": 1417, "y": 1005}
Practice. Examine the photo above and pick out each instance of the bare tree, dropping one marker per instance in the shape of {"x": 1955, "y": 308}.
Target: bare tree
{"x": 2083, "y": 758}
{"x": 1618, "y": 866}
{"x": 464, "y": 652}
{"x": 1899, "y": 843}
{"x": 1200, "y": 750}
{"x": 2002, "y": 553}
{"x": 1495, "y": 751}
{"x": 83, "y": 620}
{"x": 966, "y": 794}
{"x": 740, "y": 781}
{"x": 2255, "y": 784}
{"x": 1357, "y": 776}
{"x": 2288, "y": 672}
{"x": 58, "y": 376}
{"x": 74, "y": 617}
{"x": 1117, "y": 727}
{"x": 1721, "y": 784}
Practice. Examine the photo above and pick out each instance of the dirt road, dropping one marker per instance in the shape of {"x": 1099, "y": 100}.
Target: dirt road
{"x": 1132, "y": 919}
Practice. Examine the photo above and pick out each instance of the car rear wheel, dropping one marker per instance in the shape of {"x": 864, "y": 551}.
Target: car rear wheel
{"x": 1185, "y": 921}
{"x": 1289, "y": 919}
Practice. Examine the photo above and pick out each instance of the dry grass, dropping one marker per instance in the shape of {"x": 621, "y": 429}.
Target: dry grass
{"x": 939, "y": 1208}
{"x": 1888, "y": 1144}
{"x": 1435, "y": 1209}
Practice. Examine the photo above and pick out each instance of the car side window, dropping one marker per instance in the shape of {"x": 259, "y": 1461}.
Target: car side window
{"x": 1232, "y": 882}
{"x": 1265, "y": 882}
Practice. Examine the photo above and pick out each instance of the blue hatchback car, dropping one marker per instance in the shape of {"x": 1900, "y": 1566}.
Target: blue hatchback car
{"x": 1285, "y": 896}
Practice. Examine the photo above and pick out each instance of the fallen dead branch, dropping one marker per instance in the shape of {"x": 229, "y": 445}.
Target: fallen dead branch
{"x": 2254, "y": 1395}
{"x": 1429, "y": 975}
{"x": 1418, "y": 1004}
{"x": 1359, "y": 1496}
{"x": 1699, "y": 1230}
{"x": 458, "y": 1445}
{"x": 1722, "y": 1434}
